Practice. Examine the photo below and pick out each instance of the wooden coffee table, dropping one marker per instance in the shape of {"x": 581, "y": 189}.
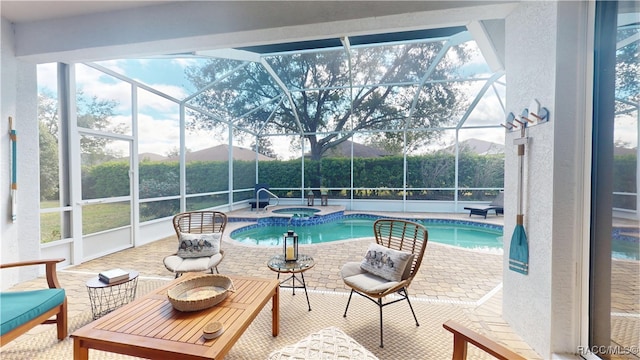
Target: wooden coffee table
{"x": 151, "y": 328}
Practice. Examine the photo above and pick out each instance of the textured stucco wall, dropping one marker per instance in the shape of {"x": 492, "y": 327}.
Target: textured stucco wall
{"x": 20, "y": 241}
{"x": 530, "y": 55}
{"x": 545, "y": 60}
{"x": 9, "y": 243}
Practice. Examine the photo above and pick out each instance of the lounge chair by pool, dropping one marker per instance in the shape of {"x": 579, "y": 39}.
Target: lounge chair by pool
{"x": 496, "y": 205}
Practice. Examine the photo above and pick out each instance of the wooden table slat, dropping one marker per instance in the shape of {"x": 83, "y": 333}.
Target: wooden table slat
{"x": 250, "y": 293}
{"x": 197, "y": 324}
{"x": 154, "y": 310}
{"x": 116, "y": 318}
{"x": 154, "y": 324}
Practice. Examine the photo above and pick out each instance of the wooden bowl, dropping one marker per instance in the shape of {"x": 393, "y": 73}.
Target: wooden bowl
{"x": 200, "y": 292}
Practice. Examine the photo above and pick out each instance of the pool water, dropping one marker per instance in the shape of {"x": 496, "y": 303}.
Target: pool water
{"x": 628, "y": 250}
{"x": 456, "y": 234}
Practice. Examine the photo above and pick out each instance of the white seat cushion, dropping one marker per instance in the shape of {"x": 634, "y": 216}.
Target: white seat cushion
{"x": 325, "y": 344}
{"x": 177, "y": 264}
{"x": 354, "y": 276}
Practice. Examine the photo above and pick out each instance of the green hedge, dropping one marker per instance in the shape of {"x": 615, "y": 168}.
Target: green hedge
{"x": 624, "y": 180}
{"x": 429, "y": 171}
{"x": 158, "y": 179}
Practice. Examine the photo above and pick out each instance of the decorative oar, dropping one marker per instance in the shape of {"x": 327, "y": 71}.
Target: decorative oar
{"x": 14, "y": 173}
{"x": 519, "y": 248}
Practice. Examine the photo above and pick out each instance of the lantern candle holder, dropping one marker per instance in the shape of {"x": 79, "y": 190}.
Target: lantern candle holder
{"x": 290, "y": 246}
{"x": 310, "y": 197}
{"x": 324, "y": 197}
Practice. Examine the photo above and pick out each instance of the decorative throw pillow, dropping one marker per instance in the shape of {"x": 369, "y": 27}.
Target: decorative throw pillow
{"x": 387, "y": 263}
{"x": 198, "y": 245}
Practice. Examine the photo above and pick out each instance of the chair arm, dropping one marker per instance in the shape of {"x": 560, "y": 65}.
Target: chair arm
{"x": 463, "y": 335}
{"x": 52, "y": 276}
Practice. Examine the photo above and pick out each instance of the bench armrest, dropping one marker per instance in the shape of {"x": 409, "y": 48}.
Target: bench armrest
{"x": 463, "y": 335}
{"x": 52, "y": 276}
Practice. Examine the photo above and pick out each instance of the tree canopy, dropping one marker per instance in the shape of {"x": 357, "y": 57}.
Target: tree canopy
{"x": 331, "y": 94}
{"x": 93, "y": 113}
{"x": 628, "y": 68}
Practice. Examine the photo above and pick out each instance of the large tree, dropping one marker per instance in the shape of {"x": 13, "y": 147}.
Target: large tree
{"x": 321, "y": 103}
{"x": 93, "y": 113}
{"x": 627, "y": 69}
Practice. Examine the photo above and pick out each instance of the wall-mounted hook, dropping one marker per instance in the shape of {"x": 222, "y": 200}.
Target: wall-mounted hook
{"x": 509, "y": 125}
{"x": 531, "y": 116}
{"x": 536, "y": 116}
{"x": 543, "y": 116}
{"x": 534, "y": 107}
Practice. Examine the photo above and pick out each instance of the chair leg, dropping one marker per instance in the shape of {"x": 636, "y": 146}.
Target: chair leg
{"x": 348, "y": 301}
{"x": 380, "y": 306}
{"x": 61, "y": 321}
{"x": 406, "y": 296}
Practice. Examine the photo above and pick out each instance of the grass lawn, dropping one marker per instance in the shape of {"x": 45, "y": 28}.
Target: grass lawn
{"x": 101, "y": 217}
{"x": 95, "y": 218}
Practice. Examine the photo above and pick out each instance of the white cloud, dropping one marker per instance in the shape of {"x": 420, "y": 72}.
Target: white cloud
{"x": 150, "y": 102}
{"x": 48, "y": 76}
{"x": 157, "y": 136}
{"x": 114, "y": 65}
{"x": 174, "y": 91}
{"x": 94, "y": 83}
{"x": 626, "y": 129}
{"x": 491, "y": 135}
{"x": 185, "y": 62}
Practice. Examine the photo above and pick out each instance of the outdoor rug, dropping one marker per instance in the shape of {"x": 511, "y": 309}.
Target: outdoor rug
{"x": 402, "y": 339}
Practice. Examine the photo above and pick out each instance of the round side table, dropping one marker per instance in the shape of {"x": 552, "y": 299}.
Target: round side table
{"x": 304, "y": 263}
{"x": 105, "y": 297}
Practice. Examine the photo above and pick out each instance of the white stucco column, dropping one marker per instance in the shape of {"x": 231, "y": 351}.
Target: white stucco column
{"x": 547, "y": 60}
{"x": 20, "y": 240}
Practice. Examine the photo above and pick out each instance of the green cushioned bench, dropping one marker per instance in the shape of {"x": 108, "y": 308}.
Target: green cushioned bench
{"x": 22, "y": 310}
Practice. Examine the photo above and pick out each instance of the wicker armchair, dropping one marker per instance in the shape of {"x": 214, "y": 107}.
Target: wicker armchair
{"x": 197, "y": 222}
{"x": 402, "y": 237}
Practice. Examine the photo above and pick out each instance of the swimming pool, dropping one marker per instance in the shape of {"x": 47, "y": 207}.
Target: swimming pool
{"x": 464, "y": 234}
{"x": 314, "y": 229}
{"x": 299, "y": 212}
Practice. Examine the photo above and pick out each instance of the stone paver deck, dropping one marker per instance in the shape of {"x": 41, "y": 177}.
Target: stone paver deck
{"x": 447, "y": 273}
